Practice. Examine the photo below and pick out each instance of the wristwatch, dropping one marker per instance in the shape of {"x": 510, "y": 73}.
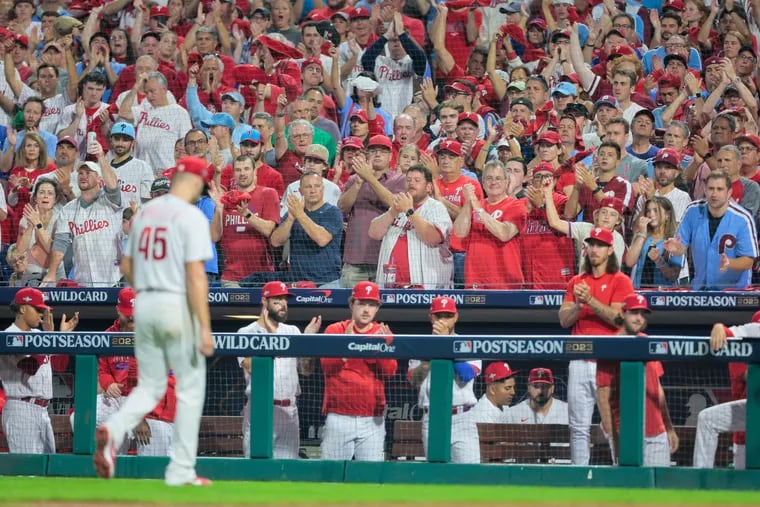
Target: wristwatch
{"x": 39, "y": 226}
{"x": 248, "y": 216}
{"x": 410, "y": 212}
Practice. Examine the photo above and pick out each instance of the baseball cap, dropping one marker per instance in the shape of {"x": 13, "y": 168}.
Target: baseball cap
{"x": 668, "y": 156}
{"x": 64, "y": 25}
{"x": 160, "y": 185}
{"x": 123, "y": 128}
{"x": 380, "y": 140}
{"x": 713, "y": 60}
{"x": 158, "y": 11}
{"x": 539, "y": 22}
{"x": 756, "y": 317}
{"x": 517, "y": 85}
{"x": 748, "y": 138}
{"x": 275, "y": 289}
{"x": 677, "y": 5}
{"x": 540, "y": 376}
{"x": 91, "y": 166}
{"x": 543, "y": 167}
{"x": 361, "y": 114}
{"x": 68, "y": 139}
{"x": 458, "y": 87}
{"x": 311, "y": 61}
{"x": 358, "y": 13}
{"x": 571, "y": 78}
{"x": 468, "y": 116}
{"x": 549, "y": 136}
{"x": 343, "y": 13}
{"x": 612, "y": 203}
{"x": 669, "y": 58}
{"x": 52, "y": 45}
{"x": 669, "y": 80}
{"x": 126, "y": 302}
{"x": 576, "y": 109}
{"x": 220, "y": 119}
{"x": 748, "y": 48}
{"x": 565, "y": 89}
{"x": 352, "y": 142}
{"x": 644, "y": 112}
{"x": 522, "y": 101}
{"x": 635, "y": 302}
{"x": 498, "y": 371}
{"x": 251, "y": 136}
{"x": 317, "y": 151}
{"x": 606, "y": 100}
{"x": 32, "y": 297}
{"x": 20, "y": 38}
{"x": 263, "y": 11}
{"x": 366, "y": 291}
{"x": 559, "y": 34}
{"x": 451, "y": 146}
{"x": 511, "y": 8}
{"x": 443, "y": 304}
{"x": 620, "y": 50}
{"x": 601, "y": 235}
{"x": 195, "y": 165}
{"x": 235, "y": 96}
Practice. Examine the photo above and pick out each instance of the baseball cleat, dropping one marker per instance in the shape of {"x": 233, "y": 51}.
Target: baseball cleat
{"x": 105, "y": 453}
{"x": 198, "y": 481}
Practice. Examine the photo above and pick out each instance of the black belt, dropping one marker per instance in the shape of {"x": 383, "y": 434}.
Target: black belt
{"x": 282, "y": 403}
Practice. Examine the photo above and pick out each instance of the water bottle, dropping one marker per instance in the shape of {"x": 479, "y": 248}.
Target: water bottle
{"x": 389, "y": 276}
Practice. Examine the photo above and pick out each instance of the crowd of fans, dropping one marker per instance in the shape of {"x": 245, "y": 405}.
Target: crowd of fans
{"x": 464, "y": 144}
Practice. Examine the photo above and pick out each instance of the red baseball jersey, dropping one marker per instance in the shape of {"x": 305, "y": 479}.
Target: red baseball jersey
{"x": 607, "y": 289}
{"x": 553, "y": 268}
{"x": 452, "y": 192}
{"x": 608, "y": 375}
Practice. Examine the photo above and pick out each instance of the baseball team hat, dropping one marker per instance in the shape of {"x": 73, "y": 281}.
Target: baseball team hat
{"x": 443, "y": 304}
{"x": 669, "y": 156}
{"x": 311, "y": 61}
{"x": 20, "y": 38}
{"x": 343, "y": 13}
{"x": 380, "y": 140}
{"x": 511, "y": 8}
{"x": 540, "y": 376}
{"x": 263, "y": 12}
{"x": 560, "y": 34}
{"x": 539, "y": 22}
{"x": 549, "y": 137}
{"x": 669, "y": 80}
{"x": 458, "y": 87}
{"x": 565, "y": 89}
{"x": 571, "y": 78}
{"x": 451, "y": 146}
{"x": 126, "y": 302}
{"x": 644, "y": 112}
{"x": 195, "y": 165}
{"x": 676, "y": 5}
{"x": 613, "y": 203}
{"x": 713, "y": 60}
{"x": 91, "y": 166}
{"x": 516, "y": 85}
{"x": 522, "y": 101}
{"x": 220, "y": 120}
{"x": 251, "y": 136}
{"x": 352, "y": 142}
{"x": 69, "y": 140}
{"x": 543, "y": 167}
{"x": 64, "y": 25}
{"x": 234, "y": 96}
{"x": 606, "y": 100}
{"x": 123, "y": 128}
{"x": 359, "y": 13}
{"x": 671, "y": 57}
{"x": 317, "y": 151}
{"x": 158, "y": 11}
{"x": 620, "y": 50}
{"x": 160, "y": 186}
{"x": 748, "y": 138}
{"x": 366, "y": 291}
{"x": 576, "y": 109}
{"x": 600, "y": 234}
{"x": 246, "y": 74}
{"x": 32, "y": 297}
{"x": 635, "y": 302}
{"x": 498, "y": 371}
{"x": 361, "y": 114}
{"x": 756, "y": 317}
{"x": 468, "y": 116}
{"x": 275, "y": 289}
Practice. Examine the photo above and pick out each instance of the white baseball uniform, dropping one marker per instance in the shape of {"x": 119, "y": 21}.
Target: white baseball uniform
{"x": 135, "y": 178}
{"x": 286, "y": 435}
{"x": 486, "y": 412}
{"x": 25, "y": 417}
{"x": 396, "y": 80}
{"x": 465, "y": 444}
{"x": 522, "y": 413}
{"x": 581, "y": 397}
{"x": 5, "y": 90}
{"x": 94, "y": 231}
{"x": 157, "y": 132}
{"x": 160, "y": 439}
{"x": 54, "y": 107}
{"x": 165, "y": 238}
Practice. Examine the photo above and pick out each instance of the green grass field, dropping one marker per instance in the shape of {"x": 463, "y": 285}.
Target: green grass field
{"x": 37, "y": 490}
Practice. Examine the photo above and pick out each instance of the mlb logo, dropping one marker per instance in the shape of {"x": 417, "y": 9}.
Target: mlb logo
{"x": 463, "y": 346}
{"x": 658, "y": 301}
{"x": 389, "y": 298}
{"x": 659, "y": 348}
{"x": 536, "y": 300}
{"x": 14, "y": 341}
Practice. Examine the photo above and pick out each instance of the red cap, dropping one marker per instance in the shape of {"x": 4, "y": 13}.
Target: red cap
{"x": 162, "y": 10}
{"x": 540, "y": 376}
{"x": 197, "y": 166}
{"x": 571, "y": 78}
{"x": 756, "y": 317}
{"x": 748, "y": 138}
{"x": 20, "y": 38}
{"x": 32, "y": 297}
{"x": 361, "y": 114}
{"x": 543, "y": 167}
{"x": 539, "y": 22}
{"x": 244, "y": 25}
{"x": 68, "y": 139}
{"x": 275, "y": 289}
{"x": 677, "y": 5}
{"x": 451, "y": 146}
{"x": 278, "y": 49}
{"x": 366, "y": 291}
{"x": 246, "y": 74}
{"x": 458, "y": 88}
{"x": 621, "y": 50}
{"x": 315, "y": 16}
{"x": 352, "y": 142}
{"x": 613, "y": 203}
{"x": 5, "y": 33}
{"x": 713, "y": 60}
{"x": 126, "y": 303}
{"x": 443, "y": 304}
{"x": 380, "y": 140}
{"x": 304, "y": 284}
{"x": 600, "y": 234}
{"x": 498, "y": 371}
{"x": 549, "y": 136}
{"x": 311, "y": 61}
{"x": 359, "y": 12}
{"x": 468, "y": 116}
{"x": 635, "y": 302}
{"x": 669, "y": 80}
{"x": 669, "y": 156}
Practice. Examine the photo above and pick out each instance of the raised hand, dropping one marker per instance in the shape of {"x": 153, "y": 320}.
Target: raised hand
{"x": 68, "y": 325}
{"x": 295, "y": 206}
{"x": 313, "y": 326}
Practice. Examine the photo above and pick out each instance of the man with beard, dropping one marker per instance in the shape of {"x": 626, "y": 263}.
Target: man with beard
{"x": 251, "y": 145}
{"x": 660, "y": 439}
{"x": 66, "y": 153}
{"x": 135, "y": 176}
{"x": 541, "y": 407}
{"x": 591, "y": 306}
{"x": 272, "y": 320}
{"x": 413, "y": 233}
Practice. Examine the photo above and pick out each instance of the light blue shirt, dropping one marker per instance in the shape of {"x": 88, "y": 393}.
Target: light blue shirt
{"x": 51, "y": 142}
{"x": 198, "y": 114}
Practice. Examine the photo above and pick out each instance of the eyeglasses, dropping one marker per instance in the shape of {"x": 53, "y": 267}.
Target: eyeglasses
{"x": 197, "y": 142}
{"x": 313, "y": 160}
{"x": 747, "y": 58}
{"x": 747, "y": 149}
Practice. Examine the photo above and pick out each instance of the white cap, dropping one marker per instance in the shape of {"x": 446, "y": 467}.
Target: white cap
{"x": 92, "y": 166}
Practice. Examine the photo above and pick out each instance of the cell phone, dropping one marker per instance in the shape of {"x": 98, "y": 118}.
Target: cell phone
{"x": 91, "y": 138}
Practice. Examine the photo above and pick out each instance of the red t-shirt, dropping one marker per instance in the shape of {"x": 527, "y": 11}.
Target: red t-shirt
{"x": 291, "y": 167}
{"x": 553, "y": 268}
{"x": 489, "y": 262}
{"x": 607, "y": 289}
{"x": 456, "y": 33}
{"x": 33, "y": 174}
{"x": 452, "y": 192}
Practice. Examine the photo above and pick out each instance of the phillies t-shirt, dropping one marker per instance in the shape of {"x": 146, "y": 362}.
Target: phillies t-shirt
{"x": 607, "y": 289}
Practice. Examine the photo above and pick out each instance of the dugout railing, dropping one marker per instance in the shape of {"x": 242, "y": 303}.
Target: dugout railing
{"x": 442, "y": 350}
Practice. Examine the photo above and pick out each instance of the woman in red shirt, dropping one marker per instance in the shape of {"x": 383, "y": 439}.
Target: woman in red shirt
{"x": 31, "y": 161}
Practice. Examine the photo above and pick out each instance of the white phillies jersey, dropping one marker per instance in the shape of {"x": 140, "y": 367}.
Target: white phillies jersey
{"x": 5, "y": 89}
{"x": 344, "y": 55}
{"x": 18, "y": 384}
{"x": 396, "y": 79}
{"x": 331, "y": 194}
{"x": 135, "y": 178}
{"x": 94, "y": 230}
{"x": 54, "y": 107}
{"x": 81, "y": 133}
{"x": 487, "y": 412}
{"x": 157, "y": 132}
{"x": 286, "y": 386}
{"x": 461, "y": 394}
{"x": 523, "y": 414}
{"x": 167, "y": 233}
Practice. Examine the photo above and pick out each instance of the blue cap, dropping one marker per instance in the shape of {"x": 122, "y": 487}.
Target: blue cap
{"x": 220, "y": 119}
{"x": 123, "y": 128}
{"x": 566, "y": 89}
{"x": 251, "y": 135}
{"x": 234, "y": 96}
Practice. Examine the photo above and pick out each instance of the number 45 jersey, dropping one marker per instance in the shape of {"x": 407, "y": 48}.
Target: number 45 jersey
{"x": 167, "y": 233}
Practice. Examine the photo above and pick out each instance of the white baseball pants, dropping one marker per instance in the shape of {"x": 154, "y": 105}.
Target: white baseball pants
{"x": 160, "y": 439}
{"x": 740, "y": 456}
{"x": 581, "y": 400}
{"x": 731, "y": 416}
{"x": 465, "y": 442}
{"x": 28, "y": 428}
{"x": 657, "y": 451}
{"x": 347, "y": 436}
{"x": 286, "y": 436}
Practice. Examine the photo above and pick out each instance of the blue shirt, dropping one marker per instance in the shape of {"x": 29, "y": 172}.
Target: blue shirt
{"x": 659, "y": 279}
{"x": 207, "y": 206}
{"x": 735, "y": 236}
{"x": 198, "y": 114}
{"x": 695, "y": 60}
{"x": 51, "y": 142}
{"x": 308, "y": 260}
